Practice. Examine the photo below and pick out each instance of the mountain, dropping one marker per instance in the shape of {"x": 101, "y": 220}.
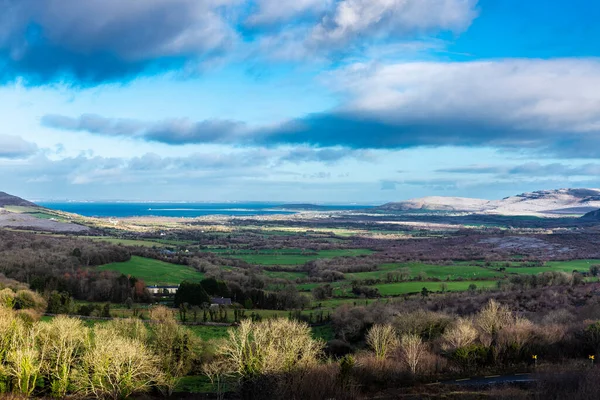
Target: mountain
{"x": 437, "y": 203}
{"x": 10, "y": 200}
{"x": 592, "y": 216}
{"x": 543, "y": 202}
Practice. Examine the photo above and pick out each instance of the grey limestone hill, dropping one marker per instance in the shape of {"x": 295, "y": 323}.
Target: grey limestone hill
{"x": 592, "y": 216}
{"x": 544, "y": 202}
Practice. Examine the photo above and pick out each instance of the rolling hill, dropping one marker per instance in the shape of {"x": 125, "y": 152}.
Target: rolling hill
{"x": 544, "y": 202}
{"x": 10, "y": 200}
{"x": 17, "y": 213}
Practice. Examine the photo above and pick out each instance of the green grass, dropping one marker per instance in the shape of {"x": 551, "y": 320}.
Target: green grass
{"x": 206, "y": 332}
{"x": 287, "y": 256}
{"x": 129, "y": 242}
{"x": 335, "y": 303}
{"x": 560, "y": 266}
{"x": 569, "y": 266}
{"x": 395, "y": 289}
{"x": 324, "y": 332}
{"x": 452, "y": 272}
{"x": 154, "y": 272}
{"x": 291, "y": 276}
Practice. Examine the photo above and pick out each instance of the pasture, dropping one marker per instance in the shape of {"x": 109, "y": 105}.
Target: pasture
{"x": 154, "y": 272}
{"x": 287, "y": 256}
{"x": 443, "y": 272}
{"x": 395, "y": 289}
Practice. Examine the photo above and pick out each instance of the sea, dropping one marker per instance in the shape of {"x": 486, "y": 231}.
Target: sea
{"x": 181, "y": 210}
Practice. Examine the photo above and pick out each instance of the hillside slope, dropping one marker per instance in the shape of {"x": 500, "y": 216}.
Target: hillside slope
{"x": 10, "y": 200}
{"x": 17, "y": 213}
{"x": 544, "y": 202}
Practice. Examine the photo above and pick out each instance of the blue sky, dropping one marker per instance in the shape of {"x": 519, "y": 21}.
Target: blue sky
{"x": 315, "y": 100}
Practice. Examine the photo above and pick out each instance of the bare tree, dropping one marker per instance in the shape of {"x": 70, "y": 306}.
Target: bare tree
{"x": 461, "y": 334}
{"x": 382, "y": 339}
{"x": 217, "y": 372}
{"x": 116, "y": 367}
{"x": 412, "y": 347}
{"x": 493, "y": 317}
{"x": 62, "y": 343}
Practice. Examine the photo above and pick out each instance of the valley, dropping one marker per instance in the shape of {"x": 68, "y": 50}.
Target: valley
{"x": 340, "y": 272}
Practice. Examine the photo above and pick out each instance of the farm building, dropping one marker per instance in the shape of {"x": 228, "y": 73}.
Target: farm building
{"x": 220, "y": 301}
{"x": 155, "y": 289}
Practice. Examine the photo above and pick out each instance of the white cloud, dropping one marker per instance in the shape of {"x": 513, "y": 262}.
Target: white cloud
{"x": 352, "y": 19}
{"x": 277, "y": 11}
{"x": 511, "y": 102}
{"x": 15, "y": 147}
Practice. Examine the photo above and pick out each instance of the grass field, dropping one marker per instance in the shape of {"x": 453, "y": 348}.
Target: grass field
{"x": 287, "y": 256}
{"x": 154, "y": 272}
{"x": 395, "y": 289}
{"x": 451, "y": 272}
{"x": 561, "y": 266}
{"x": 129, "y": 242}
{"x": 286, "y": 275}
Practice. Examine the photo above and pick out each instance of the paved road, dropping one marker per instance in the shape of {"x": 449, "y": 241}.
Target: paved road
{"x": 492, "y": 380}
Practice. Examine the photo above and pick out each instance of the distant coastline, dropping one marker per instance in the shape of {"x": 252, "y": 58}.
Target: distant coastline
{"x": 183, "y": 210}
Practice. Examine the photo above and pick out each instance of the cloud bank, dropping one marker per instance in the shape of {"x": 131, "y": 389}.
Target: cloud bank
{"x": 550, "y": 107}
{"x": 95, "y": 41}
{"x": 14, "y": 147}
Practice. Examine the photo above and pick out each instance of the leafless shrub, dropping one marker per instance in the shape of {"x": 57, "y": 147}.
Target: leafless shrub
{"x": 491, "y": 319}
{"x": 62, "y": 343}
{"x": 319, "y": 382}
{"x": 270, "y": 347}
{"x": 516, "y": 335}
{"x": 116, "y": 367}
{"x": 382, "y": 339}
{"x": 217, "y": 372}
{"x": 412, "y": 348}
{"x": 461, "y": 334}
{"x": 427, "y": 324}
{"x": 132, "y": 328}
{"x": 371, "y": 374}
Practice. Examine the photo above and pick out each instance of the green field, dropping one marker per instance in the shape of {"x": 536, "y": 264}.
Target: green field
{"x": 560, "y": 266}
{"x": 291, "y": 276}
{"x": 395, "y": 289}
{"x": 129, "y": 242}
{"x": 443, "y": 272}
{"x": 287, "y": 256}
{"x": 154, "y": 272}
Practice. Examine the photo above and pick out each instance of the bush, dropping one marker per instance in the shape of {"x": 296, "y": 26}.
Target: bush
{"x": 64, "y": 341}
{"x": 115, "y": 367}
{"x": 270, "y": 347}
{"x": 382, "y": 340}
{"x": 470, "y": 357}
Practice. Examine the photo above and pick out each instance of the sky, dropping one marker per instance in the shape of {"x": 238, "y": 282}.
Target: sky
{"x": 326, "y": 101}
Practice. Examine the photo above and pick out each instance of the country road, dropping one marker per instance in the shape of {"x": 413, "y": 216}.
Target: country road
{"x": 492, "y": 380}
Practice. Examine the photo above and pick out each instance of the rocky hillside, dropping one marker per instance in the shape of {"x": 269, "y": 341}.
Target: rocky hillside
{"x": 438, "y": 204}
{"x": 592, "y": 216}
{"x": 33, "y": 217}
{"x": 10, "y": 200}
{"x": 544, "y": 202}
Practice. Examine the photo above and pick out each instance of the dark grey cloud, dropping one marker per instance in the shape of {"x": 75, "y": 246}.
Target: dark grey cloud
{"x": 175, "y": 132}
{"x": 545, "y": 107}
{"x": 14, "y": 147}
{"x": 93, "y": 41}
{"x": 87, "y": 42}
